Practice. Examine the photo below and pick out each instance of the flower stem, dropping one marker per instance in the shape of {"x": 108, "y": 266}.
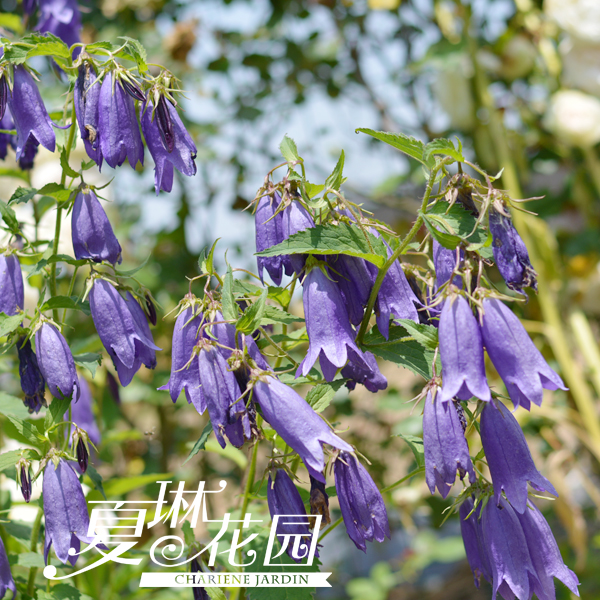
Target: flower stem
{"x": 249, "y": 481}
{"x": 35, "y": 534}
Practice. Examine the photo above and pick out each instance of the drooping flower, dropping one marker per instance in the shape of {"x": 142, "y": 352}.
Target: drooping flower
{"x": 29, "y": 6}
{"x": 295, "y": 218}
{"x": 65, "y": 510}
{"x": 444, "y": 261}
{"x": 545, "y": 555}
{"x": 330, "y": 335}
{"x": 32, "y": 380}
{"x": 284, "y": 498}
{"x": 91, "y": 231}
{"x": 82, "y": 414}
{"x": 518, "y": 362}
{"x": 6, "y": 139}
{"x": 181, "y": 157}
{"x": 123, "y": 330}
{"x": 29, "y": 113}
{"x": 185, "y": 336}
{"x": 444, "y": 444}
{"x": 395, "y": 299}
{"x": 12, "y": 298}
{"x": 118, "y": 128}
{"x": 473, "y": 540}
{"x": 510, "y": 253}
{"x": 370, "y": 375}
{"x": 56, "y": 362}
{"x": 508, "y": 457}
{"x": 6, "y": 579}
{"x": 87, "y": 98}
{"x": 319, "y": 500}
{"x": 362, "y": 506}
{"x": 269, "y": 232}
{"x": 61, "y": 18}
{"x": 28, "y": 155}
{"x": 300, "y": 427}
{"x": 461, "y": 352}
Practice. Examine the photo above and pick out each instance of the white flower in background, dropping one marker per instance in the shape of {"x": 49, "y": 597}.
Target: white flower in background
{"x": 581, "y": 65}
{"x": 574, "y": 117}
{"x": 580, "y": 18}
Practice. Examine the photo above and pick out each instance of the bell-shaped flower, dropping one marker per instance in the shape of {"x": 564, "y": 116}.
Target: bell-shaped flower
{"x": 319, "y": 501}
{"x": 284, "y": 499}
{"x": 82, "y": 414}
{"x": 362, "y": 506}
{"x": 91, "y": 231}
{"x": 123, "y": 330}
{"x": 6, "y": 139}
{"x": 444, "y": 262}
{"x": 269, "y": 232}
{"x": 510, "y": 253}
{"x": 300, "y": 427}
{"x": 518, "y": 362}
{"x": 181, "y": 157}
{"x": 62, "y": 18}
{"x": 472, "y": 535}
{"x": 461, "y": 352}
{"x": 444, "y": 444}
{"x": 12, "y": 297}
{"x": 395, "y": 299}
{"x": 366, "y": 372}
{"x": 87, "y": 99}
{"x": 508, "y": 457}
{"x": 186, "y": 378}
{"x": 330, "y": 335}
{"x": 56, "y": 362}
{"x": 6, "y": 579}
{"x": 65, "y": 510}
{"x": 295, "y": 218}
{"x": 118, "y": 128}
{"x": 29, "y": 113}
{"x": 32, "y": 380}
{"x": 27, "y": 159}
{"x": 545, "y": 555}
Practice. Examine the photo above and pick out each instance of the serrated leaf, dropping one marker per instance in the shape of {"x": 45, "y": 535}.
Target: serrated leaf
{"x": 64, "y": 163}
{"x": 252, "y": 316}
{"x": 70, "y": 302}
{"x": 22, "y": 195}
{"x": 44, "y": 262}
{"x": 62, "y": 591}
{"x": 313, "y": 189}
{"x": 274, "y": 315}
{"x": 10, "y": 458}
{"x": 92, "y": 48}
{"x": 9, "y": 218}
{"x": 201, "y": 443}
{"x": 137, "y": 51}
{"x": 56, "y": 411}
{"x": 342, "y": 238}
{"x": 16, "y": 55}
{"x": 244, "y": 288}
{"x": 416, "y": 446}
{"x": 9, "y": 323}
{"x": 444, "y": 147}
{"x": 426, "y": 335}
{"x": 28, "y": 560}
{"x": 321, "y": 395}
{"x": 11, "y": 405}
{"x": 452, "y": 224}
{"x": 89, "y": 360}
{"x": 26, "y": 430}
{"x": 405, "y": 143}
{"x": 334, "y": 180}
{"x": 215, "y": 593}
{"x": 230, "y": 311}
{"x": 288, "y": 149}
{"x": 96, "y": 479}
{"x": 57, "y": 191}
{"x": 206, "y": 262}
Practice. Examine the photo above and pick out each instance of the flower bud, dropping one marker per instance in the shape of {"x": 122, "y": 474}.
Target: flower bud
{"x": 32, "y": 380}
{"x": 11, "y": 285}
{"x": 24, "y": 478}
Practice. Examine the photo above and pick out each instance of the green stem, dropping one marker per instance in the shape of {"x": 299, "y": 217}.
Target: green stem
{"x": 249, "y": 481}
{"x": 35, "y": 534}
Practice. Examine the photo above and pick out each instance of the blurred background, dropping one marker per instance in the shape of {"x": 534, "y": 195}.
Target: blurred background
{"x": 517, "y": 81}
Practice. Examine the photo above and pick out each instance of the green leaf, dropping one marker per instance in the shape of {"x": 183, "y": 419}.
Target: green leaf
{"x": 9, "y": 217}
{"x": 229, "y": 452}
{"x": 452, "y": 224}
{"x": 44, "y": 262}
{"x": 206, "y": 262}
{"x": 9, "y": 323}
{"x": 27, "y": 559}
{"x": 11, "y": 405}
{"x": 407, "y": 144}
{"x": 201, "y": 443}
{"x": 342, "y": 238}
{"x": 16, "y": 173}
{"x": 244, "y": 288}
{"x": 416, "y": 445}
{"x": 313, "y": 189}
{"x": 137, "y": 51}
{"x": 321, "y": 395}
{"x": 230, "y": 311}
{"x": 56, "y": 411}
{"x": 64, "y": 163}
{"x": 22, "y": 195}
{"x": 274, "y": 315}
{"x": 252, "y": 316}
{"x": 288, "y": 149}
{"x": 188, "y": 533}
{"x": 12, "y": 22}
{"x": 132, "y": 272}
{"x": 15, "y": 54}
{"x": 334, "y": 181}
{"x": 26, "y": 430}
{"x": 401, "y": 350}
{"x": 9, "y": 459}
{"x": 62, "y": 591}
{"x": 95, "y": 478}
{"x": 215, "y": 593}
{"x": 445, "y": 147}
{"x": 426, "y": 335}
{"x": 90, "y": 361}
{"x": 93, "y": 48}
{"x": 57, "y": 191}
{"x": 70, "y": 302}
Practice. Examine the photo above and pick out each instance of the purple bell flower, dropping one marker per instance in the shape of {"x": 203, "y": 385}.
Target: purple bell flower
{"x": 185, "y": 337}
{"x": 295, "y": 218}
{"x": 331, "y": 338}
{"x": 300, "y": 427}
{"x": 269, "y": 232}
{"x": 56, "y": 362}
{"x": 82, "y": 414}
{"x": 319, "y": 501}
{"x": 473, "y": 540}
{"x": 61, "y": 18}
{"x": 118, "y": 128}
{"x": 12, "y": 299}
{"x": 29, "y": 113}
{"x": 545, "y": 555}
{"x": 518, "y": 362}
{"x": 123, "y": 330}
{"x": 29, "y": 6}
{"x": 284, "y": 499}
{"x": 395, "y": 298}
{"x": 445, "y": 446}
{"x": 32, "y": 380}
{"x": 461, "y": 352}
{"x": 6, "y": 579}
{"x": 27, "y": 160}
{"x": 370, "y": 376}
{"x": 91, "y": 231}
{"x": 181, "y": 157}
{"x": 508, "y": 457}
{"x": 362, "y": 506}
{"x": 444, "y": 261}
{"x": 67, "y": 519}
{"x": 6, "y": 139}
{"x": 87, "y": 98}
{"x": 510, "y": 253}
